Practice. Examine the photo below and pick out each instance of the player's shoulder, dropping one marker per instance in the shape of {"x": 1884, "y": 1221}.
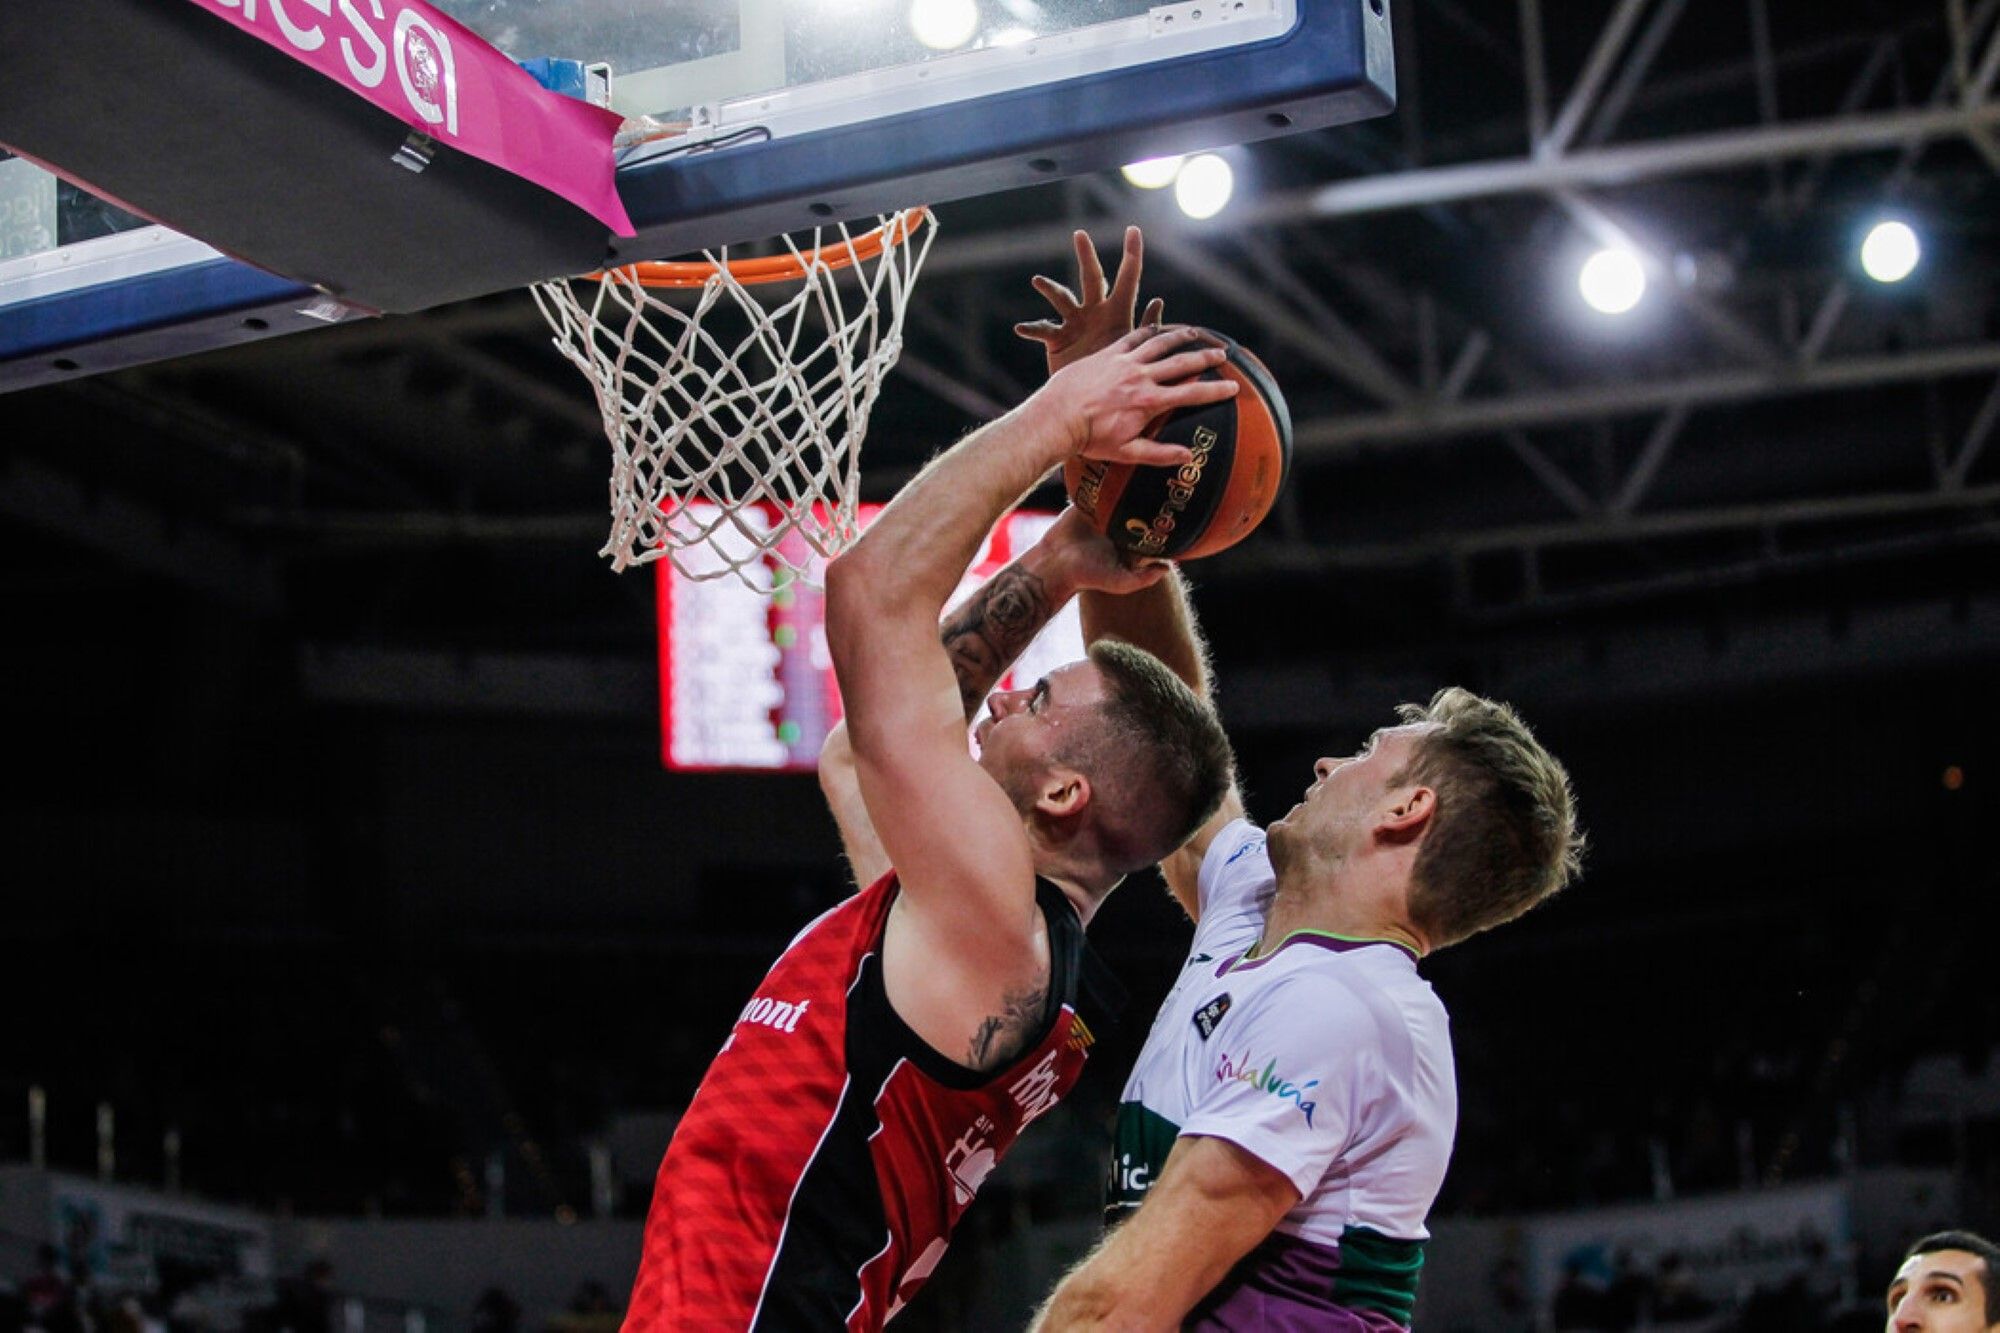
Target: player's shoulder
{"x": 1296, "y": 975}
{"x": 1237, "y": 853}
{"x": 1321, "y": 980}
{"x": 1234, "y": 887}
{"x": 1237, "y": 841}
{"x": 1294, "y": 990}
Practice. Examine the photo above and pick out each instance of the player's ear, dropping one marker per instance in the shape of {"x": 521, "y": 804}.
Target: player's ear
{"x": 1407, "y": 814}
{"x": 1065, "y": 793}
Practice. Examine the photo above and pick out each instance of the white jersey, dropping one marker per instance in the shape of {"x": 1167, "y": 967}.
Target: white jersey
{"x": 1328, "y": 1059}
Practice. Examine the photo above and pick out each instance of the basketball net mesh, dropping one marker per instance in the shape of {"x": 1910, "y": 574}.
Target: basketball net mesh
{"x": 735, "y": 384}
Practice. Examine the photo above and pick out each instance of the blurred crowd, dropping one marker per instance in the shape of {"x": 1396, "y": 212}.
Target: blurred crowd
{"x": 53, "y": 1299}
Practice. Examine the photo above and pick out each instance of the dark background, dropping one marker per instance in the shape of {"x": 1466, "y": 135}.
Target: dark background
{"x": 340, "y": 841}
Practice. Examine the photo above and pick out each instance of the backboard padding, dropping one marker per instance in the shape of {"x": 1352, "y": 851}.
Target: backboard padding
{"x": 261, "y": 159}
{"x": 268, "y": 161}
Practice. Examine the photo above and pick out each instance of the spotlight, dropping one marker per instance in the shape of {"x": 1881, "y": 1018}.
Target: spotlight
{"x": 944, "y": 25}
{"x": 1890, "y": 252}
{"x": 1154, "y": 173}
{"x": 1612, "y": 281}
{"x": 1203, "y": 185}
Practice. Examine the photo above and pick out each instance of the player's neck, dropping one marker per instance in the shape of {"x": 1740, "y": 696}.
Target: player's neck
{"x": 1085, "y": 900}
{"x": 1083, "y": 880}
{"x": 1347, "y": 908}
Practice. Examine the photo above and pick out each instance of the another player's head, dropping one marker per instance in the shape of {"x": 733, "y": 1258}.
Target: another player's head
{"x": 1113, "y": 761}
{"x": 1459, "y": 809}
{"x": 1947, "y": 1284}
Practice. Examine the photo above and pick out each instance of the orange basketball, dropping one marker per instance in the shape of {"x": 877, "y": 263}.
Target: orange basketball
{"x": 1242, "y": 453}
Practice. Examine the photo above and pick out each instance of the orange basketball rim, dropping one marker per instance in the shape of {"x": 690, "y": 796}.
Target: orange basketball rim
{"x": 788, "y": 267}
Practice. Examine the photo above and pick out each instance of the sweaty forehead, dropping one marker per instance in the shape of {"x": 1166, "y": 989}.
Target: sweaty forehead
{"x": 1076, "y": 685}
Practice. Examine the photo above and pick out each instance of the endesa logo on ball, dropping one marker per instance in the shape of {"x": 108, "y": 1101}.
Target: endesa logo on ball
{"x": 1151, "y": 538}
{"x": 370, "y": 43}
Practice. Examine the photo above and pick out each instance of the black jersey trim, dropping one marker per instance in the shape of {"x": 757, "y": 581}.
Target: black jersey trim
{"x": 814, "y": 1282}
{"x": 1075, "y": 971}
{"x": 781, "y": 1252}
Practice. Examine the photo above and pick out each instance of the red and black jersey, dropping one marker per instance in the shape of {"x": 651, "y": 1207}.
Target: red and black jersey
{"x": 815, "y": 1180}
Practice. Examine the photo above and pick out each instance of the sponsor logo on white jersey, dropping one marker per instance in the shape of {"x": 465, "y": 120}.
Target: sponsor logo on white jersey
{"x": 1269, "y": 1081}
{"x": 1206, "y": 1017}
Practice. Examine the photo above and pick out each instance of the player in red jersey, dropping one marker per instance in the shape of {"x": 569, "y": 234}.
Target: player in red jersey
{"x": 906, "y": 1037}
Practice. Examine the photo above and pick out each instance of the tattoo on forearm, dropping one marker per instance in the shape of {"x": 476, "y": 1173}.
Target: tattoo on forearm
{"x": 991, "y": 629}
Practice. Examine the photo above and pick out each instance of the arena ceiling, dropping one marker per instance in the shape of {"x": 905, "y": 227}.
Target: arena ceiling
{"x": 1480, "y": 461}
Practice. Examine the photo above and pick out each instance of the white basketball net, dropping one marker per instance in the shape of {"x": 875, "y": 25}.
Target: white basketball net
{"x": 710, "y": 396}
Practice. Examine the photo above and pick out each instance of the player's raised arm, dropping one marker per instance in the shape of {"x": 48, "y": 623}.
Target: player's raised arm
{"x": 1157, "y": 616}
{"x": 866, "y": 861}
{"x": 982, "y": 638}
{"x": 1094, "y": 315}
{"x": 956, "y": 838}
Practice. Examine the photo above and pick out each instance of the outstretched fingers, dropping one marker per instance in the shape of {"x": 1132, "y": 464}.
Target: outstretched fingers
{"x": 1049, "y": 331}
{"x": 1125, "y": 287}
{"x": 1091, "y": 316}
{"x": 1089, "y": 271}
{"x": 1062, "y": 298}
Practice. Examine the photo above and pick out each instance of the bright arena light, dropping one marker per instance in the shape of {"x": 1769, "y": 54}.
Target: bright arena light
{"x": 1890, "y": 252}
{"x": 1203, "y": 185}
{"x": 1155, "y": 173}
{"x": 944, "y": 25}
{"x": 1612, "y": 281}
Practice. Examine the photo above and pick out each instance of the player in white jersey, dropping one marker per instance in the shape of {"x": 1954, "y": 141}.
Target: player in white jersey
{"x": 1289, "y": 1121}
{"x": 1242, "y": 1051}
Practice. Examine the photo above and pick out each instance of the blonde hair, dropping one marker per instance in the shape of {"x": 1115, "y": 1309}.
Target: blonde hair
{"x": 1505, "y": 834}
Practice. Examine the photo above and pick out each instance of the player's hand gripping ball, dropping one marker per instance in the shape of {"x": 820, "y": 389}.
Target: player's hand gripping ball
{"x": 1242, "y": 452}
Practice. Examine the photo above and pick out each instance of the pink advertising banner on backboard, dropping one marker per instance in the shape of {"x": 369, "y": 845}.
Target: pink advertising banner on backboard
{"x": 444, "y": 80}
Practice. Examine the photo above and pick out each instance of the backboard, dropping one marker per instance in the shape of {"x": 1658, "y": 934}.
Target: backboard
{"x": 746, "y": 680}
{"x": 785, "y": 113}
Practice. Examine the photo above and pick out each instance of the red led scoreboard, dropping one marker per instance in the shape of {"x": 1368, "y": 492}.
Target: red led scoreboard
{"x": 745, "y": 680}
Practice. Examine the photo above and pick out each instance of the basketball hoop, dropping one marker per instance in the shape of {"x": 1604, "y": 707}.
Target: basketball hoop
{"x": 717, "y": 395}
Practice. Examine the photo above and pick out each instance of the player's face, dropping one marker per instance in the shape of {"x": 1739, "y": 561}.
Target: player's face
{"x": 1025, "y": 729}
{"x": 1943, "y": 1292}
{"x": 1348, "y": 792}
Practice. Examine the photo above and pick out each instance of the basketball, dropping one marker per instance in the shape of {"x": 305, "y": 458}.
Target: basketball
{"x": 1242, "y": 453}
